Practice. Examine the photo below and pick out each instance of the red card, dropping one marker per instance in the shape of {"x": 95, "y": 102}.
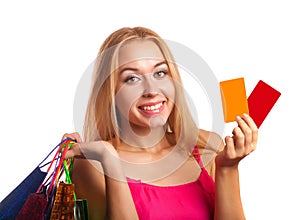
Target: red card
{"x": 261, "y": 101}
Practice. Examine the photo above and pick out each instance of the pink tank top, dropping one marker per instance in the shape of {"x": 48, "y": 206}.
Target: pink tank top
{"x": 194, "y": 200}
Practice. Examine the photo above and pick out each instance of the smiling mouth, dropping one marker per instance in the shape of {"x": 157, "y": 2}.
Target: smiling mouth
{"x": 152, "y": 108}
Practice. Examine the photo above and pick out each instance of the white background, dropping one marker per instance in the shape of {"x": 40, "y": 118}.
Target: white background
{"x": 45, "y": 47}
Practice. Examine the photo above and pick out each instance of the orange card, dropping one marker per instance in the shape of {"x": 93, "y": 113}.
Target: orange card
{"x": 234, "y": 98}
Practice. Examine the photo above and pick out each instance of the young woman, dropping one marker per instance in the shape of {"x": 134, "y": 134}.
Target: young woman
{"x": 143, "y": 156}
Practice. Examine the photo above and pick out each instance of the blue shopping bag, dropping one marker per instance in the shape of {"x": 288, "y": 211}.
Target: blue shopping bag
{"x": 13, "y": 202}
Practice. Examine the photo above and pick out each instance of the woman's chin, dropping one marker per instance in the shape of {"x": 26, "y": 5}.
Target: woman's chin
{"x": 157, "y": 122}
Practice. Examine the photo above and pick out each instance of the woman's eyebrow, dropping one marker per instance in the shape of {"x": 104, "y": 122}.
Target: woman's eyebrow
{"x": 136, "y": 69}
{"x": 128, "y": 68}
{"x": 160, "y": 63}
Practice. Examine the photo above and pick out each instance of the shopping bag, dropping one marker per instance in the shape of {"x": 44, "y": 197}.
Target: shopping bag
{"x": 34, "y": 207}
{"x": 39, "y": 204}
{"x": 63, "y": 207}
{"x": 13, "y": 202}
{"x": 81, "y": 209}
{"x": 66, "y": 205}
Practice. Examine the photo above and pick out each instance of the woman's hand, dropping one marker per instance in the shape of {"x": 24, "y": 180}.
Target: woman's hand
{"x": 74, "y": 151}
{"x": 97, "y": 150}
{"x": 74, "y": 136}
{"x": 240, "y": 144}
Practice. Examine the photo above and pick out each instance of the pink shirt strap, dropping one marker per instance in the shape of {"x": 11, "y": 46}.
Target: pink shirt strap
{"x": 197, "y": 156}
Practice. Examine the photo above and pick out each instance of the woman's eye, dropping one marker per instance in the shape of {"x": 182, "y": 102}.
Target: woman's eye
{"x": 160, "y": 74}
{"x": 131, "y": 79}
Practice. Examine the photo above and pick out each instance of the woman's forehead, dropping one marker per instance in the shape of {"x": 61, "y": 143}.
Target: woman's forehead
{"x": 139, "y": 50}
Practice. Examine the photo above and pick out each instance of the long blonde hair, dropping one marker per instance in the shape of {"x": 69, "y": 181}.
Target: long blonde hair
{"x": 101, "y": 118}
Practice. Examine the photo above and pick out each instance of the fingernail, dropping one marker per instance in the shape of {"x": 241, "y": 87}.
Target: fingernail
{"x": 238, "y": 118}
{"x": 245, "y": 115}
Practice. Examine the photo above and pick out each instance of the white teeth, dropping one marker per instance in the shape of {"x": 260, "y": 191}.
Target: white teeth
{"x": 152, "y": 107}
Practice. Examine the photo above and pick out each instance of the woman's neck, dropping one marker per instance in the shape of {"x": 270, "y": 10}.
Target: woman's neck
{"x": 146, "y": 139}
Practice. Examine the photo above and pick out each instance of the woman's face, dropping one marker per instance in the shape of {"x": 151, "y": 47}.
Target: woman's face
{"x": 145, "y": 90}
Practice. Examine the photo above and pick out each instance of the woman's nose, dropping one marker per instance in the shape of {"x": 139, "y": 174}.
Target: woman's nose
{"x": 150, "y": 87}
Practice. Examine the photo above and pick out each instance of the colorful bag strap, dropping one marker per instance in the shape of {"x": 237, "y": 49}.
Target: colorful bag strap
{"x": 56, "y": 158}
{"x": 68, "y": 177}
{"x": 40, "y": 165}
{"x": 51, "y": 162}
{"x": 63, "y": 149}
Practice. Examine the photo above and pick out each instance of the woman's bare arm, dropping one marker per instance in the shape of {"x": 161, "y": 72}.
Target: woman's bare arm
{"x": 89, "y": 183}
{"x": 243, "y": 142}
{"x": 108, "y": 195}
{"x": 223, "y": 168}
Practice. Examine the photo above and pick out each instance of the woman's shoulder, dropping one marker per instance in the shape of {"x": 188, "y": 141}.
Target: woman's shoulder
{"x": 210, "y": 139}
{"x": 209, "y": 144}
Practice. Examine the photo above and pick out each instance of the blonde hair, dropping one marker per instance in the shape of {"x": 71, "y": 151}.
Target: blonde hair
{"x": 101, "y": 118}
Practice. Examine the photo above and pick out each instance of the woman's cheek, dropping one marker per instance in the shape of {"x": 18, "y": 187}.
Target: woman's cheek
{"x": 126, "y": 96}
{"x": 168, "y": 90}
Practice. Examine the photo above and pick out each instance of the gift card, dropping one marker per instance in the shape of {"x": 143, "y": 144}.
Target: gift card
{"x": 234, "y": 98}
{"x": 261, "y": 101}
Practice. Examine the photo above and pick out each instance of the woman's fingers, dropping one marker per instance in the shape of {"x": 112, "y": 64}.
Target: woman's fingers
{"x": 238, "y": 139}
{"x": 74, "y": 151}
{"x": 230, "y": 151}
{"x": 74, "y": 136}
{"x": 242, "y": 142}
{"x": 254, "y": 130}
{"x": 250, "y": 132}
